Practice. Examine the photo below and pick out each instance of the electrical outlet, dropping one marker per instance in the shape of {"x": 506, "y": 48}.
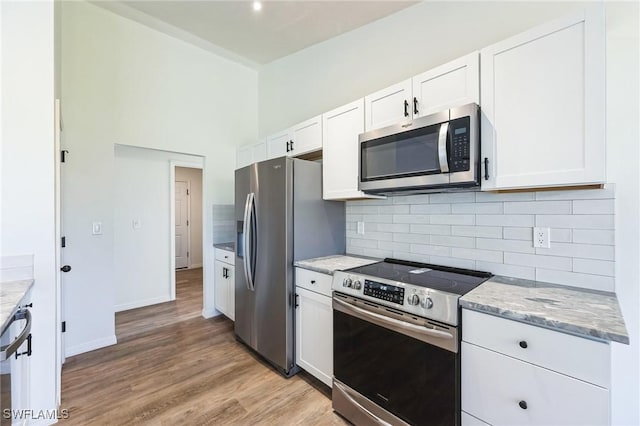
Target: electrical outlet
{"x": 361, "y": 228}
{"x": 96, "y": 228}
{"x": 541, "y": 237}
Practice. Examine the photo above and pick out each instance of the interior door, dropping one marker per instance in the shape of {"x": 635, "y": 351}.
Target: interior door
{"x": 182, "y": 224}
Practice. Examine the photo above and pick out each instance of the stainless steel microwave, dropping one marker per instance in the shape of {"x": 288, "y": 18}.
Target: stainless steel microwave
{"x": 435, "y": 153}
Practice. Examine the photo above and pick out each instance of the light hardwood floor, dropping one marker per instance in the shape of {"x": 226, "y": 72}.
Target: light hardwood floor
{"x": 171, "y": 366}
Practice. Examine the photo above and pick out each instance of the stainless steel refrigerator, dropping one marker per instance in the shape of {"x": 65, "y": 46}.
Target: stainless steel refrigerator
{"x": 281, "y": 217}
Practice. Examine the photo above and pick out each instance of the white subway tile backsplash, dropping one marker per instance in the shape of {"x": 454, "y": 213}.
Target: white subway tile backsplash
{"x": 446, "y": 240}
{"x": 431, "y": 208}
{"x": 576, "y": 221}
{"x": 505, "y": 220}
{"x": 549, "y": 262}
{"x": 524, "y": 272}
{"x": 505, "y": 245}
{"x": 494, "y": 232}
{"x": 432, "y": 229}
{"x": 594, "y": 282}
{"x": 593, "y": 236}
{"x": 593, "y": 206}
{"x": 477, "y": 208}
{"x": 595, "y": 267}
{"x": 477, "y": 254}
{"x": 538, "y": 207}
{"x": 585, "y": 251}
{"x": 458, "y": 219}
{"x": 477, "y": 231}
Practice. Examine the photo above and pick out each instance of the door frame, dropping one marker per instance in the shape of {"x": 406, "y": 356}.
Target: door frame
{"x": 172, "y": 219}
{"x": 188, "y": 182}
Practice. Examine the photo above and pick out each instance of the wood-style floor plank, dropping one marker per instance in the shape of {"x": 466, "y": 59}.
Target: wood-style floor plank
{"x": 171, "y": 366}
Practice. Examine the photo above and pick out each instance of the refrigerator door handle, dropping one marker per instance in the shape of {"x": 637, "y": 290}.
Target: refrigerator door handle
{"x": 253, "y": 240}
{"x": 246, "y": 259}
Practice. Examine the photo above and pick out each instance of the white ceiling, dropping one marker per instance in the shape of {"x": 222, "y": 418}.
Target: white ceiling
{"x": 233, "y": 29}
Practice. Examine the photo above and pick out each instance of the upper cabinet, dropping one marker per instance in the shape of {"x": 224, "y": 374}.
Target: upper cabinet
{"x": 250, "y": 154}
{"x": 340, "y": 130}
{"x": 454, "y": 83}
{"x": 297, "y": 140}
{"x": 543, "y": 106}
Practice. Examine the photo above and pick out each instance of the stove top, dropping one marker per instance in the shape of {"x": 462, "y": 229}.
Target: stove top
{"x": 442, "y": 278}
{"x": 430, "y": 291}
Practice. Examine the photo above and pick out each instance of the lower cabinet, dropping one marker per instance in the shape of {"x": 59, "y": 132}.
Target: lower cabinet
{"x": 519, "y": 374}
{"x": 314, "y": 326}
{"x": 224, "y": 283}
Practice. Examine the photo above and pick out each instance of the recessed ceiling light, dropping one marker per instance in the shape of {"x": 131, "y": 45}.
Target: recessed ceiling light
{"x": 257, "y": 6}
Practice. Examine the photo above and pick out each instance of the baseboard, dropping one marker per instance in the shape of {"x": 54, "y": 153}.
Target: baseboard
{"x": 142, "y": 303}
{"x": 90, "y": 346}
{"x": 210, "y": 313}
{"x": 195, "y": 266}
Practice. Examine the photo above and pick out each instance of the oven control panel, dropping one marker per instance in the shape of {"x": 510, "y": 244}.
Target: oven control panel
{"x": 387, "y": 292}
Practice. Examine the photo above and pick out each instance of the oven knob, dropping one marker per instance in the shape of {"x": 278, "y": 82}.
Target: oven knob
{"x": 413, "y": 299}
{"x": 357, "y": 284}
{"x": 346, "y": 282}
{"x": 427, "y": 303}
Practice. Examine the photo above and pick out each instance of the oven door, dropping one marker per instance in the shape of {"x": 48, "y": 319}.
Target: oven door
{"x": 414, "y": 154}
{"x": 406, "y": 365}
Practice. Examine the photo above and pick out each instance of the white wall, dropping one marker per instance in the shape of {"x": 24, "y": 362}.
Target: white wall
{"x": 27, "y": 176}
{"x": 141, "y": 257}
{"x": 418, "y": 38}
{"x": 194, "y": 177}
{"x": 123, "y": 83}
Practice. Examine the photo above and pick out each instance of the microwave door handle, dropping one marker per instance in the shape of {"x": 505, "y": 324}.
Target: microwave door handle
{"x": 443, "y": 155}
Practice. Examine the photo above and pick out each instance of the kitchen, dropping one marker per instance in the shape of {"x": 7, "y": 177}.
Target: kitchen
{"x": 279, "y": 111}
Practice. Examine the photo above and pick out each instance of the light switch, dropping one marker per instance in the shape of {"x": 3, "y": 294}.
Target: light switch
{"x": 137, "y": 224}
{"x": 96, "y": 229}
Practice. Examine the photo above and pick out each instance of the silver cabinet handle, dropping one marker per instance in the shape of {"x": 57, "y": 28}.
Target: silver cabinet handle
{"x": 442, "y": 147}
{"x": 11, "y": 348}
{"x": 360, "y": 407}
{"x": 246, "y": 242}
{"x": 393, "y": 322}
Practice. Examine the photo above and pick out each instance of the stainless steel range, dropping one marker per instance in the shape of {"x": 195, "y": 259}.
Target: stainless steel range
{"x": 396, "y": 340}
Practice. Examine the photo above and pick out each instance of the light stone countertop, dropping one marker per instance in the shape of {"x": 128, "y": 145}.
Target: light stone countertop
{"x": 11, "y": 295}
{"x": 330, "y": 264}
{"x": 591, "y": 314}
{"x": 226, "y": 246}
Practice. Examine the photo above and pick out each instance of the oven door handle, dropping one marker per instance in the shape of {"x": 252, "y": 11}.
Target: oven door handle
{"x": 377, "y": 318}
{"x": 11, "y": 348}
{"x": 443, "y": 155}
{"x": 355, "y": 403}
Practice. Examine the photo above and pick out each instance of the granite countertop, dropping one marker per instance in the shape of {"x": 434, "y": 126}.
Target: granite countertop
{"x": 330, "y": 264}
{"x": 226, "y": 246}
{"x": 11, "y": 294}
{"x": 586, "y": 313}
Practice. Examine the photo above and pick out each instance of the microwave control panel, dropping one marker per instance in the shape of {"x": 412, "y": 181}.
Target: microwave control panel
{"x": 459, "y": 151}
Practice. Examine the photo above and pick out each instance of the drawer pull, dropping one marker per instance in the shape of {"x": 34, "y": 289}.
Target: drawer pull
{"x": 313, "y": 281}
{"x": 523, "y": 404}
{"x": 523, "y": 345}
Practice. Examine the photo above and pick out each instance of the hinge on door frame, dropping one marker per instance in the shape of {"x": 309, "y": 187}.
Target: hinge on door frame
{"x": 187, "y": 223}
{"x": 63, "y": 242}
{"x": 187, "y": 191}
{"x": 63, "y": 156}
{"x": 64, "y": 326}
{"x": 187, "y": 254}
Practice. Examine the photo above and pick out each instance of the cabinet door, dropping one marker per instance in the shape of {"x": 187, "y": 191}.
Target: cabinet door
{"x": 388, "y": 106}
{"x": 314, "y": 334}
{"x": 306, "y": 136}
{"x": 340, "y": 130}
{"x": 277, "y": 145}
{"x": 231, "y": 293}
{"x": 243, "y": 156}
{"x": 259, "y": 151}
{"x": 543, "y": 105}
{"x": 221, "y": 292}
{"x": 452, "y": 84}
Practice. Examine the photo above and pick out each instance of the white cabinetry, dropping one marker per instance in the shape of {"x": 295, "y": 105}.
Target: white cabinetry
{"x": 514, "y": 373}
{"x": 300, "y": 139}
{"x": 250, "y": 154}
{"x": 224, "y": 282}
{"x": 314, "y": 324}
{"x": 543, "y": 105}
{"x": 340, "y": 130}
{"x": 452, "y": 84}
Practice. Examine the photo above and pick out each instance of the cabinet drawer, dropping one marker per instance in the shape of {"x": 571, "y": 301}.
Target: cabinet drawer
{"x": 505, "y": 391}
{"x": 314, "y": 281}
{"x": 225, "y": 256}
{"x": 574, "y": 356}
